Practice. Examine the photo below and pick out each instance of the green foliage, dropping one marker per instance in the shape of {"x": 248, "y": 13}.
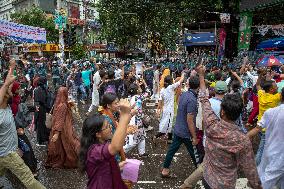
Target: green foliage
{"x": 78, "y": 51}
{"x": 37, "y": 18}
{"x": 127, "y": 21}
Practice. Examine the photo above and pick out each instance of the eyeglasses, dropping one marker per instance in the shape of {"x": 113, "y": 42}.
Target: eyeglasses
{"x": 107, "y": 127}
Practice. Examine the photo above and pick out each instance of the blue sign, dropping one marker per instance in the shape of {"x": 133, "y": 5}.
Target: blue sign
{"x": 199, "y": 39}
{"x": 111, "y": 47}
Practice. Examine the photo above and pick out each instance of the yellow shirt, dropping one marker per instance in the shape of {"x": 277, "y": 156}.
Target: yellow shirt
{"x": 266, "y": 101}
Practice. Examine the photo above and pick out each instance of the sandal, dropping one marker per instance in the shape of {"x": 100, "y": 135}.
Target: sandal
{"x": 169, "y": 175}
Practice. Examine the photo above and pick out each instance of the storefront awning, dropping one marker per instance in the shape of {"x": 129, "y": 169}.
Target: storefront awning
{"x": 271, "y": 44}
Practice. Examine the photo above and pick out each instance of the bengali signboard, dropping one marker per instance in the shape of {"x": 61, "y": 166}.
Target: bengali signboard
{"x": 43, "y": 48}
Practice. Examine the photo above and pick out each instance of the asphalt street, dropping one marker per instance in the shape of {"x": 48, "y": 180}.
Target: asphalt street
{"x": 149, "y": 175}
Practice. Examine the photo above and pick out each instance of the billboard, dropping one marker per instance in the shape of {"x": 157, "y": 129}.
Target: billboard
{"x": 199, "y": 39}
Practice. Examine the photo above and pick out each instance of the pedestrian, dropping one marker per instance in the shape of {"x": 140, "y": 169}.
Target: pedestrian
{"x": 227, "y": 149}
{"x": 79, "y": 87}
{"x": 55, "y": 74}
{"x": 185, "y": 128}
{"x": 95, "y": 94}
{"x": 110, "y": 106}
{"x": 112, "y": 85}
{"x": 156, "y": 86}
{"x": 86, "y": 77}
{"x": 9, "y": 158}
{"x": 139, "y": 137}
{"x": 270, "y": 169}
{"x": 268, "y": 97}
{"x": 16, "y": 99}
{"x": 97, "y": 154}
{"x": 166, "y": 107}
{"x": 23, "y": 119}
{"x": 63, "y": 148}
{"x": 40, "y": 100}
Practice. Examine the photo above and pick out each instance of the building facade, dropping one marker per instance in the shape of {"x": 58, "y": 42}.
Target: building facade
{"x": 6, "y": 9}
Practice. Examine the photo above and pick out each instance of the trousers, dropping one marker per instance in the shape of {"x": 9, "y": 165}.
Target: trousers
{"x": 174, "y": 147}
{"x": 16, "y": 165}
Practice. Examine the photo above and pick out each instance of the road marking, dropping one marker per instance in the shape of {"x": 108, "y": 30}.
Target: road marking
{"x": 146, "y": 182}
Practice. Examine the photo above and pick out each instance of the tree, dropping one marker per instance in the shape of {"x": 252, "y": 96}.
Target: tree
{"x": 127, "y": 21}
{"x": 36, "y": 17}
{"x": 78, "y": 51}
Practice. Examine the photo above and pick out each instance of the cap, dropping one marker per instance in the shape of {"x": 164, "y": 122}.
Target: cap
{"x": 221, "y": 86}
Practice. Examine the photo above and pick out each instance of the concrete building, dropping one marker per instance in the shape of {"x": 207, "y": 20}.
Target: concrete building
{"x": 6, "y": 9}
{"x": 47, "y": 5}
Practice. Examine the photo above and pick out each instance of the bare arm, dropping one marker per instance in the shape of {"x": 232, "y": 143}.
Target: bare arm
{"x": 191, "y": 127}
{"x": 254, "y": 132}
{"x": 8, "y": 81}
{"x": 258, "y": 87}
{"x": 238, "y": 78}
{"x": 118, "y": 138}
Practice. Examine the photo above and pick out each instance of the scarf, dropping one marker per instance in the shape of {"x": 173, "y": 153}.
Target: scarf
{"x": 113, "y": 122}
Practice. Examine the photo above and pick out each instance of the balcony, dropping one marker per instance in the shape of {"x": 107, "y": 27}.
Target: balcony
{"x": 16, "y": 2}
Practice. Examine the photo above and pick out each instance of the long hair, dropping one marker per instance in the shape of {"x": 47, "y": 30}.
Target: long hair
{"x": 91, "y": 126}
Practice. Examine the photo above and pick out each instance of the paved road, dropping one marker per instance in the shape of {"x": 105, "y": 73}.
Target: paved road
{"x": 149, "y": 177}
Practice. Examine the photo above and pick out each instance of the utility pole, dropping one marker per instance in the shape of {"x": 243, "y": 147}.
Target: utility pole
{"x": 60, "y": 24}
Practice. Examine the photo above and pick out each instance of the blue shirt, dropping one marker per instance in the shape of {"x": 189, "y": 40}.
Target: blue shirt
{"x": 86, "y": 77}
{"x": 187, "y": 105}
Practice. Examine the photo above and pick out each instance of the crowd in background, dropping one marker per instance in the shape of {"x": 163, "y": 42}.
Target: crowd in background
{"x": 214, "y": 110}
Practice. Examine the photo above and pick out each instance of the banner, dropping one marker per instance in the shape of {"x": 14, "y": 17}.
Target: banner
{"x": 245, "y": 30}
{"x": 222, "y": 43}
{"x": 22, "y": 33}
{"x": 199, "y": 39}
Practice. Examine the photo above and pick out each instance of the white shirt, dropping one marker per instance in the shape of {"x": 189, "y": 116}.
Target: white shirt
{"x": 167, "y": 95}
{"x": 271, "y": 167}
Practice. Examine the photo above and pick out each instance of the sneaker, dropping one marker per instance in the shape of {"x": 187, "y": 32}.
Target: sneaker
{"x": 149, "y": 128}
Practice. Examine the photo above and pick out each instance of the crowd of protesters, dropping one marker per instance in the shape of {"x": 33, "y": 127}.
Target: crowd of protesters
{"x": 214, "y": 110}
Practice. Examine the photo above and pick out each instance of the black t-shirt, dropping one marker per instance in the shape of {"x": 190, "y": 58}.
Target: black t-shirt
{"x": 114, "y": 86}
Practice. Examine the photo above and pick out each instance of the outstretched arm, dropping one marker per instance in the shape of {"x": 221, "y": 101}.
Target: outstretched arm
{"x": 8, "y": 81}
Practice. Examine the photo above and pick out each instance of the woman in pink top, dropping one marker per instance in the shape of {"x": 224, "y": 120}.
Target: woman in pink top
{"x": 97, "y": 154}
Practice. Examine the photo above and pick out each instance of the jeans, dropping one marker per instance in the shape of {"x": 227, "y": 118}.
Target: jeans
{"x": 82, "y": 90}
{"x": 260, "y": 149}
{"x": 174, "y": 147}
{"x": 16, "y": 165}
{"x": 88, "y": 91}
